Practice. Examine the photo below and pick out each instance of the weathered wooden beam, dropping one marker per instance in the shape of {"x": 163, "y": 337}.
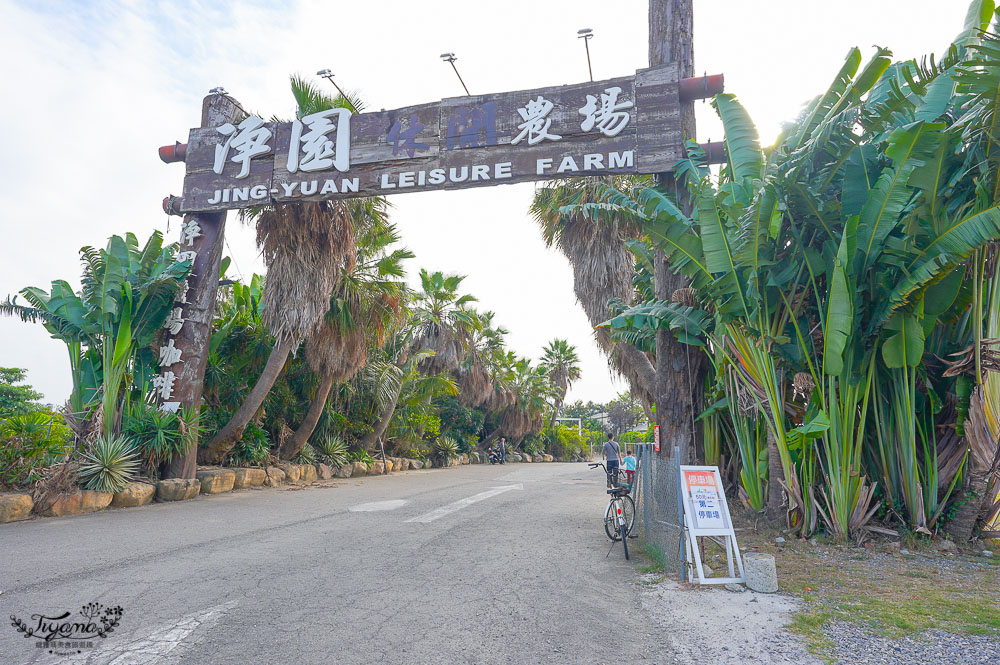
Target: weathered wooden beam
{"x": 698, "y": 87}
{"x": 193, "y": 337}
{"x": 678, "y": 370}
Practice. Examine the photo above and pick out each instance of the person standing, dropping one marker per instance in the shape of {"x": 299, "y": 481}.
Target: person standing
{"x": 503, "y": 450}
{"x": 629, "y": 465}
{"x": 613, "y": 454}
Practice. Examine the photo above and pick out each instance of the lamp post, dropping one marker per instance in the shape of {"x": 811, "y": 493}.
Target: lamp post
{"x": 586, "y": 34}
{"x": 328, "y": 75}
{"x": 451, "y": 58}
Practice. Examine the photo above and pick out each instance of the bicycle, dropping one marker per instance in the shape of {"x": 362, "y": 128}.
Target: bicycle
{"x": 619, "y": 516}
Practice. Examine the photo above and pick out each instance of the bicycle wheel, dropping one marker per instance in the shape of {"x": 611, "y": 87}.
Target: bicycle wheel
{"x": 628, "y": 512}
{"x": 611, "y": 520}
{"x": 624, "y": 534}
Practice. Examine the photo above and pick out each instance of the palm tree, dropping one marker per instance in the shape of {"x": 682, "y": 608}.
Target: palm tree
{"x": 306, "y": 247}
{"x": 603, "y": 265}
{"x": 532, "y": 390}
{"x": 562, "y": 365}
{"x": 444, "y": 324}
{"x": 364, "y": 306}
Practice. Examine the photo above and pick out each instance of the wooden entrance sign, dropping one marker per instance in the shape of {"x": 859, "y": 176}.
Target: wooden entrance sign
{"x": 623, "y": 125}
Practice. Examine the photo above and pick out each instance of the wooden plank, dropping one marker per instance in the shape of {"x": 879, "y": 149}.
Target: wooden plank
{"x": 659, "y": 111}
{"x": 456, "y": 143}
{"x": 567, "y": 100}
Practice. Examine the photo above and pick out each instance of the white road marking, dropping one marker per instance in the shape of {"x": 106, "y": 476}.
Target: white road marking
{"x": 378, "y": 505}
{"x": 152, "y": 647}
{"x": 462, "y": 503}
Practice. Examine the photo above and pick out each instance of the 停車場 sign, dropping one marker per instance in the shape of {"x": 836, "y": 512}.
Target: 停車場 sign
{"x": 706, "y": 513}
{"x": 623, "y": 125}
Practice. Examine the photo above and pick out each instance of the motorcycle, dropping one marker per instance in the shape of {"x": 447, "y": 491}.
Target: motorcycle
{"x": 494, "y": 456}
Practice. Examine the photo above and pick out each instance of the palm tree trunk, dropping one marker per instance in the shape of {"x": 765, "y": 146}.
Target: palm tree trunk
{"x": 555, "y": 411}
{"x": 297, "y": 441}
{"x": 962, "y": 526}
{"x": 369, "y": 440}
{"x": 774, "y": 473}
{"x": 227, "y": 437}
{"x": 490, "y": 438}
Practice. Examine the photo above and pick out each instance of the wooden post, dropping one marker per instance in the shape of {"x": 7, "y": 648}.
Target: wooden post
{"x": 678, "y": 367}
{"x": 203, "y": 283}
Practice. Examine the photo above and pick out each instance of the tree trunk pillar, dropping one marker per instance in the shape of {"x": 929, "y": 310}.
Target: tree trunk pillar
{"x": 679, "y": 369}
{"x": 197, "y": 305}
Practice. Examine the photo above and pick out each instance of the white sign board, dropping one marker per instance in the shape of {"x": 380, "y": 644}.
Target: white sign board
{"x": 706, "y": 514}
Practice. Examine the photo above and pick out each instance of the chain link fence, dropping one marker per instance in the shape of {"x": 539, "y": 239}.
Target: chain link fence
{"x": 658, "y": 518}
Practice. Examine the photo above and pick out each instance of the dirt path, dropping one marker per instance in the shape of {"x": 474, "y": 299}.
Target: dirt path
{"x": 712, "y": 625}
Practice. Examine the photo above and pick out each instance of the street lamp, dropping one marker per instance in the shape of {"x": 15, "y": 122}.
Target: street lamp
{"x": 328, "y": 75}
{"x": 450, "y": 58}
{"x": 586, "y": 34}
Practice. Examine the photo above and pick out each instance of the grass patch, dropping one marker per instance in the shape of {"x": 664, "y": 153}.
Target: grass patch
{"x": 655, "y": 558}
{"x": 809, "y": 625}
{"x": 890, "y": 594}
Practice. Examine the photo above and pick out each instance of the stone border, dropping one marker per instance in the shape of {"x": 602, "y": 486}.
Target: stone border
{"x": 19, "y": 506}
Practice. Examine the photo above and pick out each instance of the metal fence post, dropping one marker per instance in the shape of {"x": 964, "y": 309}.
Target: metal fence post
{"x": 680, "y": 514}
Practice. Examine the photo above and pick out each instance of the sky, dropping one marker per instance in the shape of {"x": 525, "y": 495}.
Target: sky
{"x": 94, "y": 88}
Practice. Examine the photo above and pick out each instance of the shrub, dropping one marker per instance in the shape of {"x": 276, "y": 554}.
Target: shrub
{"x": 109, "y": 465}
{"x": 30, "y": 442}
{"x": 415, "y": 453}
{"x": 361, "y": 456}
{"x": 445, "y": 449}
{"x": 564, "y": 442}
{"x": 534, "y": 445}
{"x": 253, "y": 448}
{"x": 332, "y": 449}
{"x": 306, "y": 456}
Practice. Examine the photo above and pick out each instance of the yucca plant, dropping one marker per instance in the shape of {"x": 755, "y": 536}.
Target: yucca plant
{"x": 253, "y": 449}
{"x": 332, "y": 449}
{"x": 305, "y": 456}
{"x": 109, "y": 465}
{"x": 445, "y": 449}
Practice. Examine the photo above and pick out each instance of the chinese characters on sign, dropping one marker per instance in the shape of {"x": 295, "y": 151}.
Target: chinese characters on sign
{"x": 623, "y": 125}
{"x": 313, "y": 150}
{"x": 249, "y": 140}
{"x": 169, "y": 355}
{"x": 705, "y": 500}
{"x": 535, "y": 126}
{"x": 706, "y": 513}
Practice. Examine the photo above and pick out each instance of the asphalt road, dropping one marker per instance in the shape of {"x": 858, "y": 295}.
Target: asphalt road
{"x": 475, "y": 564}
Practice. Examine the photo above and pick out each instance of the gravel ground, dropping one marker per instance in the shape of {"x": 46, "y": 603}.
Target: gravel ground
{"x": 712, "y": 625}
{"x": 856, "y": 645}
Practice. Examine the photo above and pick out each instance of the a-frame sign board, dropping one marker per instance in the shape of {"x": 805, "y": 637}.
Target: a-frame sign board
{"x": 706, "y": 513}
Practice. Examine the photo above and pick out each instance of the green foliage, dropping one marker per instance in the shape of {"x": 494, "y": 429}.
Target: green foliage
{"x": 332, "y": 450}
{"x": 563, "y": 442}
{"x": 29, "y": 442}
{"x": 110, "y": 325}
{"x": 415, "y": 453}
{"x": 445, "y": 449}
{"x": 306, "y": 456}
{"x": 253, "y": 449}
{"x": 158, "y": 435}
{"x": 109, "y": 465}
{"x": 14, "y": 398}
{"x": 361, "y": 456}
{"x": 840, "y": 257}
{"x": 457, "y": 420}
